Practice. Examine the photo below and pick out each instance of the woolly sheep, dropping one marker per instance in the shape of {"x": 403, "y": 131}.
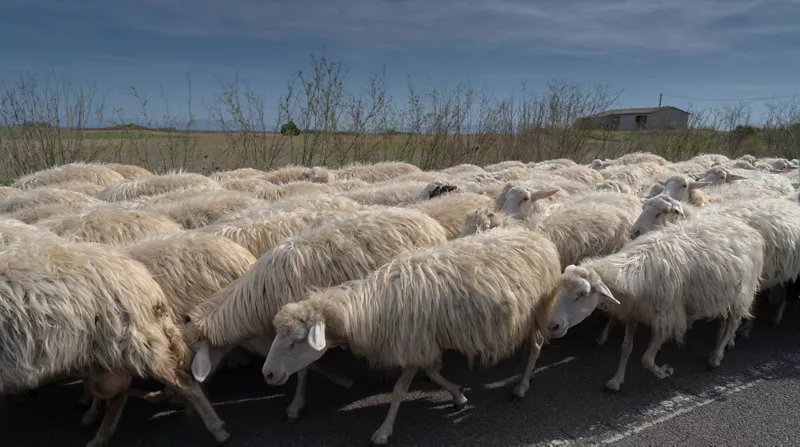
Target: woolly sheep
{"x": 7, "y": 191}
{"x": 131, "y": 172}
{"x": 113, "y": 227}
{"x": 202, "y": 209}
{"x": 437, "y": 188}
{"x": 693, "y": 270}
{"x": 777, "y": 183}
{"x": 558, "y": 163}
{"x": 37, "y": 213}
{"x": 327, "y": 255}
{"x": 90, "y": 189}
{"x": 614, "y": 186}
{"x": 260, "y": 235}
{"x": 681, "y": 187}
{"x": 57, "y": 304}
{"x": 43, "y": 196}
{"x": 157, "y": 184}
{"x": 437, "y": 303}
{"x": 565, "y": 188}
{"x": 515, "y": 173}
{"x": 449, "y": 210}
{"x": 312, "y": 202}
{"x": 464, "y": 169}
{"x": 776, "y": 220}
{"x": 521, "y": 202}
{"x": 503, "y": 165}
{"x": 350, "y": 185}
{"x": 641, "y": 158}
{"x": 236, "y": 174}
{"x": 286, "y": 174}
{"x": 580, "y": 174}
{"x": 317, "y": 174}
{"x": 12, "y": 230}
{"x": 688, "y": 167}
{"x": 72, "y": 172}
{"x": 248, "y": 184}
{"x": 378, "y": 172}
{"x": 638, "y": 176}
{"x": 708, "y": 160}
{"x": 391, "y": 194}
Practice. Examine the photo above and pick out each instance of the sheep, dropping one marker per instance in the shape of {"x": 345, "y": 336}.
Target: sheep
{"x": 342, "y": 249}
{"x": 276, "y": 192}
{"x": 638, "y": 176}
{"x": 681, "y": 187}
{"x": 90, "y": 189}
{"x": 708, "y": 160}
{"x": 43, "y": 196}
{"x": 33, "y": 214}
{"x": 449, "y": 210}
{"x": 437, "y": 303}
{"x": 614, "y": 186}
{"x": 514, "y": 173}
{"x": 720, "y": 176}
{"x": 72, "y": 172}
{"x": 236, "y": 174}
{"x": 350, "y": 185}
{"x": 157, "y": 184}
{"x": 465, "y": 168}
{"x": 579, "y": 174}
{"x": 503, "y": 165}
{"x": 259, "y": 235}
{"x": 248, "y": 184}
{"x": 202, "y": 209}
{"x": 12, "y": 230}
{"x": 390, "y": 194}
{"x": 688, "y": 167}
{"x": 286, "y": 174}
{"x": 131, "y": 172}
{"x": 551, "y": 165}
{"x": 89, "y": 310}
{"x": 437, "y": 188}
{"x": 7, "y": 191}
{"x": 378, "y": 172}
{"x": 113, "y": 227}
{"x": 317, "y": 174}
{"x": 693, "y": 270}
{"x": 776, "y": 220}
{"x": 520, "y": 202}
{"x": 564, "y": 187}
{"x": 634, "y": 158}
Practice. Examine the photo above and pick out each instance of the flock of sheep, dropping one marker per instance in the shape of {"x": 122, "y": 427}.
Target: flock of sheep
{"x": 109, "y": 272}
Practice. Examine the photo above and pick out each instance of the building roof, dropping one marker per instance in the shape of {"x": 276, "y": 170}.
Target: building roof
{"x": 639, "y": 111}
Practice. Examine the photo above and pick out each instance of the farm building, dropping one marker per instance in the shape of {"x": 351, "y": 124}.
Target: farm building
{"x": 650, "y": 118}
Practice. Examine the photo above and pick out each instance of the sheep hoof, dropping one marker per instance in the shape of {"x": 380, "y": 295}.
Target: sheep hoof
{"x": 459, "y": 405}
{"x": 380, "y": 438}
{"x": 222, "y": 436}
{"x": 612, "y": 387}
{"x": 292, "y": 419}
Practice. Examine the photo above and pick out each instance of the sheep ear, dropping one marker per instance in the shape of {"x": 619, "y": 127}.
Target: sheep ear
{"x": 735, "y": 177}
{"x": 662, "y": 183}
{"x": 201, "y": 364}
{"x": 605, "y": 294}
{"x": 698, "y": 185}
{"x": 539, "y": 195}
{"x": 316, "y": 336}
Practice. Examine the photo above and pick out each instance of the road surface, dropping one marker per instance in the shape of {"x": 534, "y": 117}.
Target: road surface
{"x": 752, "y": 399}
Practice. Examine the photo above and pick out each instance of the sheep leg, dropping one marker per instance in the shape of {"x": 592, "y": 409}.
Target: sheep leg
{"x": 338, "y": 379}
{"x": 91, "y": 415}
{"x": 381, "y": 436}
{"x": 778, "y": 294}
{"x": 299, "y": 400}
{"x": 625, "y": 353}
{"x": 603, "y": 338}
{"x": 194, "y": 396}
{"x": 731, "y": 324}
{"x": 746, "y": 327}
{"x": 649, "y": 357}
{"x": 459, "y": 400}
{"x": 114, "y": 407}
{"x": 537, "y": 340}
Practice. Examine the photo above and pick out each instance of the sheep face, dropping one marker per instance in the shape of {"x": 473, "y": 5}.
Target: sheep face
{"x": 783, "y": 165}
{"x": 300, "y": 341}
{"x": 579, "y": 293}
{"x": 521, "y": 202}
{"x": 436, "y": 189}
{"x": 657, "y": 212}
{"x": 718, "y": 176}
{"x": 657, "y": 189}
{"x": 480, "y": 220}
{"x": 599, "y": 165}
{"x": 679, "y": 187}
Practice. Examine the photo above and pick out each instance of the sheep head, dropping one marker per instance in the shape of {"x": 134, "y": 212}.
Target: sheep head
{"x": 521, "y": 201}
{"x": 657, "y": 212}
{"x": 480, "y": 220}
{"x": 580, "y": 291}
{"x": 679, "y": 187}
{"x": 437, "y": 188}
{"x": 300, "y": 341}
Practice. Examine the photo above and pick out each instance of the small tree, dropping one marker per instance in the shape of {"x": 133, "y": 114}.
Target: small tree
{"x": 290, "y": 129}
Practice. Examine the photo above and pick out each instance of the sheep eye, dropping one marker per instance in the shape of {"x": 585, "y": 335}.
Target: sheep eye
{"x": 525, "y": 199}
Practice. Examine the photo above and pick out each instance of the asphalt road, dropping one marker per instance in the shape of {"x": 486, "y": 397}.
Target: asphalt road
{"x": 752, "y": 399}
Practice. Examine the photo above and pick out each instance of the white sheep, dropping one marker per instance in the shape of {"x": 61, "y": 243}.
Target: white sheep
{"x": 157, "y": 184}
{"x": 614, "y": 186}
{"x": 378, "y": 172}
{"x": 693, "y": 270}
{"x": 503, "y": 165}
{"x": 286, "y": 174}
{"x": 72, "y": 172}
{"x": 638, "y": 176}
{"x": 317, "y": 174}
{"x": 776, "y": 220}
{"x": 236, "y": 174}
{"x": 389, "y": 193}
{"x": 12, "y": 230}
{"x": 311, "y": 202}
{"x": 436, "y": 301}
{"x": 720, "y": 176}
{"x": 43, "y": 197}
{"x": 7, "y": 191}
{"x": 202, "y": 209}
{"x": 114, "y": 227}
{"x": 449, "y": 210}
{"x": 337, "y": 250}
{"x": 465, "y": 168}
{"x": 131, "y": 172}
{"x": 89, "y": 310}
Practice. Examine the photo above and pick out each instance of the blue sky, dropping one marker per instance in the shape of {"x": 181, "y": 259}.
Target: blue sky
{"x": 726, "y": 49}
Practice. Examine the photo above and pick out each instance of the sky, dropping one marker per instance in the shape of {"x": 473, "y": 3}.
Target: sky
{"x": 701, "y": 49}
